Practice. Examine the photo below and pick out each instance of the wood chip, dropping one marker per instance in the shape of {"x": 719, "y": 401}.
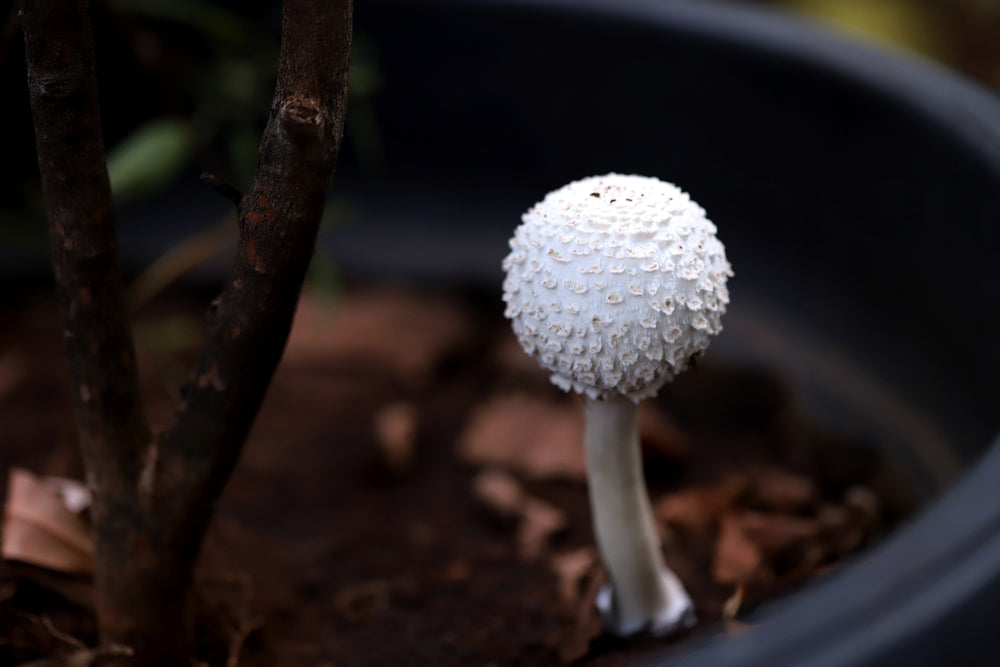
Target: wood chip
{"x": 40, "y": 530}
{"x": 396, "y": 433}
{"x": 539, "y": 438}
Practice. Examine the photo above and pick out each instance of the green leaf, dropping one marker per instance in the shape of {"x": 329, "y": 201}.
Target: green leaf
{"x": 149, "y": 159}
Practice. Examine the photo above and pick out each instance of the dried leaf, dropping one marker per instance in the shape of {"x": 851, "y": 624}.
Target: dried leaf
{"x": 782, "y": 491}
{"x": 586, "y": 620}
{"x": 402, "y": 333}
{"x": 774, "y": 533}
{"x": 395, "y": 432}
{"x": 40, "y": 530}
{"x": 534, "y": 436}
{"x": 506, "y": 499}
{"x": 737, "y": 559}
{"x": 697, "y": 510}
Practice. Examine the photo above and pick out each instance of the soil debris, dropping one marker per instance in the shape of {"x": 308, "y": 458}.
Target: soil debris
{"x": 361, "y": 602}
{"x": 537, "y": 520}
{"x": 396, "y": 433}
{"x": 481, "y": 549}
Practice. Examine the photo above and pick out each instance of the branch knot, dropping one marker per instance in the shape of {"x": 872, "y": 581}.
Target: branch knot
{"x": 303, "y": 113}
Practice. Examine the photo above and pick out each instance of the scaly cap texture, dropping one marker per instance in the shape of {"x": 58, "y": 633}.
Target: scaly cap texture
{"x": 615, "y": 283}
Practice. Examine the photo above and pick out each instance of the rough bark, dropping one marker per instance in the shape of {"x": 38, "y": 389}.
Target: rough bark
{"x": 153, "y": 498}
{"x": 63, "y": 92}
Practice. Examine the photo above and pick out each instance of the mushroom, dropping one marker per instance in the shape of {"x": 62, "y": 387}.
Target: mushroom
{"x": 615, "y": 284}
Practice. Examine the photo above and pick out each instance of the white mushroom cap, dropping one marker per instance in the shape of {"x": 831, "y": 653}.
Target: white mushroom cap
{"x": 615, "y": 283}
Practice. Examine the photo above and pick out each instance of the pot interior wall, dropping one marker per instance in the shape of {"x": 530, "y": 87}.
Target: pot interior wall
{"x": 859, "y": 218}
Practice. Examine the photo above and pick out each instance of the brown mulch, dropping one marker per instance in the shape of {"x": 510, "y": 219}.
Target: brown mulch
{"x": 413, "y": 493}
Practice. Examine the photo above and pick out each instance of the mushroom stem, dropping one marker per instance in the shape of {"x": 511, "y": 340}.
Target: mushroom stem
{"x": 644, "y": 594}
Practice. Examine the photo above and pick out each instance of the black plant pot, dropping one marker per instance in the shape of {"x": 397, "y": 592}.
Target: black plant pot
{"x": 858, "y": 195}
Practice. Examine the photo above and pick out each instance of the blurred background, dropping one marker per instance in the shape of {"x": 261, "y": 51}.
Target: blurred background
{"x": 186, "y": 85}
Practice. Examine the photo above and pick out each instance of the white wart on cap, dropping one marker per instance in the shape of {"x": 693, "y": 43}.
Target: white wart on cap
{"x": 615, "y": 283}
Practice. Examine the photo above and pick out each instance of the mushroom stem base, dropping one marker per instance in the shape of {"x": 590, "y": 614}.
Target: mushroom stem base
{"x": 676, "y": 615}
{"x": 644, "y": 593}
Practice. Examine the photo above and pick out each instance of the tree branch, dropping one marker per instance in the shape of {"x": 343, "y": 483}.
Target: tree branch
{"x": 153, "y": 499}
{"x": 62, "y": 84}
{"x": 279, "y": 223}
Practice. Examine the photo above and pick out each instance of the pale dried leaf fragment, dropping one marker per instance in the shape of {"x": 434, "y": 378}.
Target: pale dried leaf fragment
{"x": 534, "y": 436}
{"x": 395, "y": 433}
{"x": 730, "y": 608}
{"x": 500, "y": 493}
{"x": 40, "y": 530}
